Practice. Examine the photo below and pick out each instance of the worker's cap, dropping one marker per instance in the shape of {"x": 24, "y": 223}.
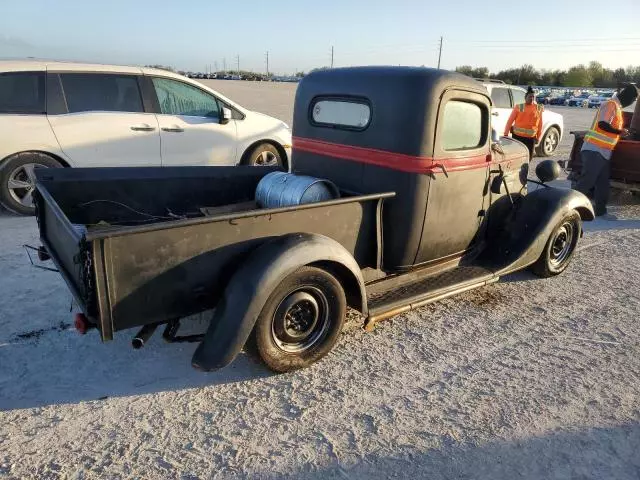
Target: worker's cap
{"x": 628, "y": 95}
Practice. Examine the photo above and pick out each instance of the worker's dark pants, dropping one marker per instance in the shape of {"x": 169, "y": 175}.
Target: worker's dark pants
{"x": 595, "y": 174}
{"x": 529, "y": 142}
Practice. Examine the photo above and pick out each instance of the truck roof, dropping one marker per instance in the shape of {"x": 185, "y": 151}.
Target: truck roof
{"x": 402, "y": 102}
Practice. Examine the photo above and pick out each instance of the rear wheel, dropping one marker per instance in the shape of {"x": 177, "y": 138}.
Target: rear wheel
{"x": 560, "y": 247}
{"x": 17, "y": 180}
{"x": 265, "y": 155}
{"x": 301, "y": 321}
{"x": 549, "y": 142}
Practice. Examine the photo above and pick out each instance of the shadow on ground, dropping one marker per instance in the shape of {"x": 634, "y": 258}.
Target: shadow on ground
{"x": 59, "y": 366}
{"x": 591, "y": 453}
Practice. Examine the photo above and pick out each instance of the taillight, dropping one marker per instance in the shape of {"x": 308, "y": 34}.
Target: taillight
{"x": 81, "y": 323}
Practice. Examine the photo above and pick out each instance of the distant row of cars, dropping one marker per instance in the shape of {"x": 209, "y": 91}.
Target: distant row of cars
{"x": 583, "y": 99}
{"x": 254, "y": 77}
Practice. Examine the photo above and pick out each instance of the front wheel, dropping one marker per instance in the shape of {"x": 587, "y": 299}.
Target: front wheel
{"x": 265, "y": 155}
{"x": 301, "y": 321}
{"x": 549, "y": 142}
{"x": 560, "y": 247}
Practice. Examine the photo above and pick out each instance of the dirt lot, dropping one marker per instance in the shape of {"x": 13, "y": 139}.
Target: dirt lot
{"x": 527, "y": 379}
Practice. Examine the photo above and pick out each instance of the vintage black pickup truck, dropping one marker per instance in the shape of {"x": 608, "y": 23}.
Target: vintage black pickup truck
{"x": 430, "y": 204}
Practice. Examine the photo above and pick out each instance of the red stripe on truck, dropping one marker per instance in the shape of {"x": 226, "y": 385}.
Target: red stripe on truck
{"x": 395, "y": 161}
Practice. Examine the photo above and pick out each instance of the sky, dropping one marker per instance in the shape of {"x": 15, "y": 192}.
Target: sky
{"x": 202, "y": 35}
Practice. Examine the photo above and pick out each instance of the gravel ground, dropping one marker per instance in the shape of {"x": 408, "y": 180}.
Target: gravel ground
{"x": 526, "y": 378}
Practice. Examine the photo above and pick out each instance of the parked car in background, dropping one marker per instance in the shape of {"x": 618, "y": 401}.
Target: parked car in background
{"x": 56, "y": 114}
{"x": 581, "y": 100}
{"x": 504, "y": 97}
{"x": 596, "y": 100}
{"x": 543, "y": 98}
{"x": 560, "y": 99}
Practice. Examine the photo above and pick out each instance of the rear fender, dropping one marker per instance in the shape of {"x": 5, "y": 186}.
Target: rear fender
{"x": 252, "y": 284}
{"x": 525, "y": 233}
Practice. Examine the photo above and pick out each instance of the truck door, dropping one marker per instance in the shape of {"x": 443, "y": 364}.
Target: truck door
{"x": 457, "y": 190}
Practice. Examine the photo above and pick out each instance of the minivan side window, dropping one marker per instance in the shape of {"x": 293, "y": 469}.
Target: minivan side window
{"x": 22, "y": 92}
{"x": 178, "y": 98}
{"x": 500, "y": 97}
{"x": 461, "y": 126}
{"x": 87, "y": 92}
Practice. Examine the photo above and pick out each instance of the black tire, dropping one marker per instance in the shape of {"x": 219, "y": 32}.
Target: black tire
{"x": 548, "y": 143}
{"x": 301, "y": 321}
{"x": 17, "y": 170}
{"x": 560, "y": 247}
{"x": 264, "y": 155}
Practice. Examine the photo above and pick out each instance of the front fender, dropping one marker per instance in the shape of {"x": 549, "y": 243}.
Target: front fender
{"x": 253, "y": 283}
{"x": 525, "y": 234}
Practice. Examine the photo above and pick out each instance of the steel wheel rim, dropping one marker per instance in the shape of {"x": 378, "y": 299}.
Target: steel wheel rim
{"x": 22, "y": 183}
{"x": 562, "y": 244}
{"x": 551, "y": 141}
{"x": 266, "y": 159}
{"x": 301, "y": 320}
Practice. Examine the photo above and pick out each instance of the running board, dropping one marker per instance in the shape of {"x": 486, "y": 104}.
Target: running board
{"x": 427, "y": 290}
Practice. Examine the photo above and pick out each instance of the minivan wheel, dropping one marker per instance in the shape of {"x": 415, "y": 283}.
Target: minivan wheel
{"x": 549, "y": 142}
{"x": 264, "y": 155}
{"x": 17, "y": 180}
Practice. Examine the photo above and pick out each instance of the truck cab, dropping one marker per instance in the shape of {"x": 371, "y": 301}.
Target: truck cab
{"x": 424, "y": 134}
{"x": 427, "y": 203}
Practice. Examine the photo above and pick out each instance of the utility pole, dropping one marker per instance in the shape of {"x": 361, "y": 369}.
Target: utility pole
{"x": 215, "y": 64}
{"x": 224, "y": 64}
{"x": 238, "y": 59}
{"x": 440, "y": 53}
{"x": 331, "y": 56}
{"x": 267, "y": 64}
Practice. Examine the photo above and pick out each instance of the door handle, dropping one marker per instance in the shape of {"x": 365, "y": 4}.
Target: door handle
{"x": 143, "y": 127}
{"x": 444, "y": 169}
{"x": 495, "y": 114}
{"x": 175, "y": 129}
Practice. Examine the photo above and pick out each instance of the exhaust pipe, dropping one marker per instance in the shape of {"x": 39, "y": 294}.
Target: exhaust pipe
{"x": 143, "y": 335}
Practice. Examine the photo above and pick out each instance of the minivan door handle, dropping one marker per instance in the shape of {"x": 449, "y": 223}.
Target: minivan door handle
{"x": 143, "y": 127}
{"x": 174, "y": 128}
{"x": 495, "y": 114}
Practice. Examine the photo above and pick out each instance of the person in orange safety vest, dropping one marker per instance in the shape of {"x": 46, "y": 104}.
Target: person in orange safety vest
{"x": 525, "y": 122}
{"x": 603, "y": 135}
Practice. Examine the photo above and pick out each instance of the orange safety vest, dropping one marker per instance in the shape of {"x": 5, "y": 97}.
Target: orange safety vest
{"x": 528, "y": 119}
{"x": 611, "y": 113}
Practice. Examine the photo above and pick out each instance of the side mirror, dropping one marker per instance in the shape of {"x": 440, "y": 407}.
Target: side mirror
{"x": 226, "y": 116}
{"x": 494, "y": 136}
{"x": 547, "y": 171}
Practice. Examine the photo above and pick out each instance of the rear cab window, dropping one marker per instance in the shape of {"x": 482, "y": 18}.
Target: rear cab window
{"x": 518, "y": 96}
{"x": 344, "y": 113}
{"x": 103, "y": 92}
{"x": 22, "y": 93}
{"x": 500, "y": 97}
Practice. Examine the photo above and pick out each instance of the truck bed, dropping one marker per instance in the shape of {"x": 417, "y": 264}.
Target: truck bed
{"x": 145, "y": 245}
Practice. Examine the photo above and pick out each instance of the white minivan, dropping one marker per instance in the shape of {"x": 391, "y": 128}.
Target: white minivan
{"x": 503, "y": 99}
{"x": 56, "y": 114}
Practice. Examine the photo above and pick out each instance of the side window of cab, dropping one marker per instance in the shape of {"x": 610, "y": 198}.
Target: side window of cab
{"x": 461, "y": 126}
